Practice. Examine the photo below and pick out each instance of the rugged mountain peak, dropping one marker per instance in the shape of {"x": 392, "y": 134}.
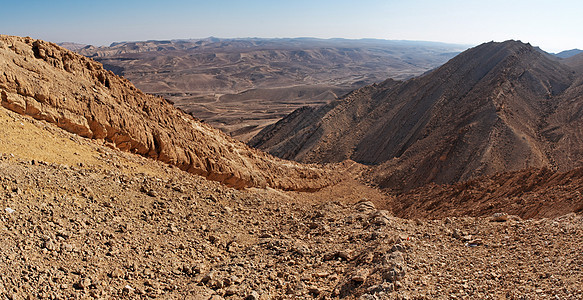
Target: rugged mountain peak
{"x": 479, "y": 114}
{"x": 53, "y": 84}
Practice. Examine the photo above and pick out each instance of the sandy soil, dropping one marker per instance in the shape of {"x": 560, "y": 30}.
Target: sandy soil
{"x": 86, "y": 221}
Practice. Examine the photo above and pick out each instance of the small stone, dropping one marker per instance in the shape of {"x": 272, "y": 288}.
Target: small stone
{"x": 321, "y": 274}
{"x": 208, "y": 277}
{"x": 67, "y": 247}
{"x": 314, "y": 290}
{"x": 128, "y": 289}
{"x": 9, "y": 210}
{"x": 474, "y": 243}
{"x": 232, "y": 249}
{"x": 397, "y": 248}
{"x": 456, "y": 234}
{"x": 344, "y": 255}
{"x": 214, "y": 239}
{"x": 116, "y": 273}
{"x": 231, "y": 291}
{"x": 500, "y": 217}
{"x": 50, "y": 245}
{"x": 467, "y": 237}
{"x": 252, "y": 296}
{"x": 83, "y": 283}
{"x": 360, "y": 276}
{"x": 372, "y": 289}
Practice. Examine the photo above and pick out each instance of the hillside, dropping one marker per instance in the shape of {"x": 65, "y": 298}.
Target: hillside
{"x": 75, "y": 93}
{"x": 575, "y": 62}
{"x": 494, "y": 108}
{"x": 81, "y": 218}
{"x": 203, "y": 77}
{"x": 530, "y": 193}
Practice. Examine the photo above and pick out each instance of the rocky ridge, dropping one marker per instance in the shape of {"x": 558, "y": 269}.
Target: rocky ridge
{"x": 494, "y": 108}
{"x": 75, "y": 93}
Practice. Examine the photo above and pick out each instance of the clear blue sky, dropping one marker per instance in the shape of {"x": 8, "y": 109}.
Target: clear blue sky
{"x": 552, "y": 25}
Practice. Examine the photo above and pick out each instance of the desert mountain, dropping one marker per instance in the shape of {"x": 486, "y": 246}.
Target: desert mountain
{"x": 493, "y": 108}
{"x": 568, "y": 53}
{"x": 82, "y": 219}
{"x": 242, "y": 85}
{"x": 61, "y": 87}
{"x": 72, "y": 46}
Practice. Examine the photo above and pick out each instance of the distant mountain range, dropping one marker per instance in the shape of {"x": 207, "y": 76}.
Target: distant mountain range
{"x": 494, "y": 108}
{"x": 568, "y": 53}
{"x": 242, "y": 85}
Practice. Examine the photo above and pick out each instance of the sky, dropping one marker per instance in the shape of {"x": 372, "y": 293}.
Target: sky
{"x": 553, "y": 25}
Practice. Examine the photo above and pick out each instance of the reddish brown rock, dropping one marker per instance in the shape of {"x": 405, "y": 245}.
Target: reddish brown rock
{"x": 50, "y": 83}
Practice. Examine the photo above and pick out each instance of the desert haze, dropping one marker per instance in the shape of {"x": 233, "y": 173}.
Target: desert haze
{"x": 242, "y": 85}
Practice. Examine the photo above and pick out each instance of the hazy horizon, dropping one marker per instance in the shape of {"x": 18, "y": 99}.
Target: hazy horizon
{"x": 272, "y": 38}
{"x": 553, "y": 28}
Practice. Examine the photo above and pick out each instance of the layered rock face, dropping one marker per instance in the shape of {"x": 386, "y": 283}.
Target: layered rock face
{"x": 497, "y": 107}
{"x": 50, "y": 83}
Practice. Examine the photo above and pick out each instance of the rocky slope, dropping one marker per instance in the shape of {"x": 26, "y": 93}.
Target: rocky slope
{"x": 494, "y": 108}
{"x": 75, "y": 93}
{"x": 575, "y": 62}
{"x": 527, "y": 193}
{"x": 81, "y": 220}
{"x": 202, "y": 77}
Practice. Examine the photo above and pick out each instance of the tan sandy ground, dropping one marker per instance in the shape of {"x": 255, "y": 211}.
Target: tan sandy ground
{"x": 120, "y": 226}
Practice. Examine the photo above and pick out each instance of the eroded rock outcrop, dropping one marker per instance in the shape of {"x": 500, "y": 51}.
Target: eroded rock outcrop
{"x": 50, "y": 83}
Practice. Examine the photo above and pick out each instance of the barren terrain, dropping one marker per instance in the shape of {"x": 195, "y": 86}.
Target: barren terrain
{"x": 80, "y": 220}
{"x": 85, "y": 217}
{"x": 53, "y": 84}
{"x": 242, "y": 85}
{"x": 494, "y": 108}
